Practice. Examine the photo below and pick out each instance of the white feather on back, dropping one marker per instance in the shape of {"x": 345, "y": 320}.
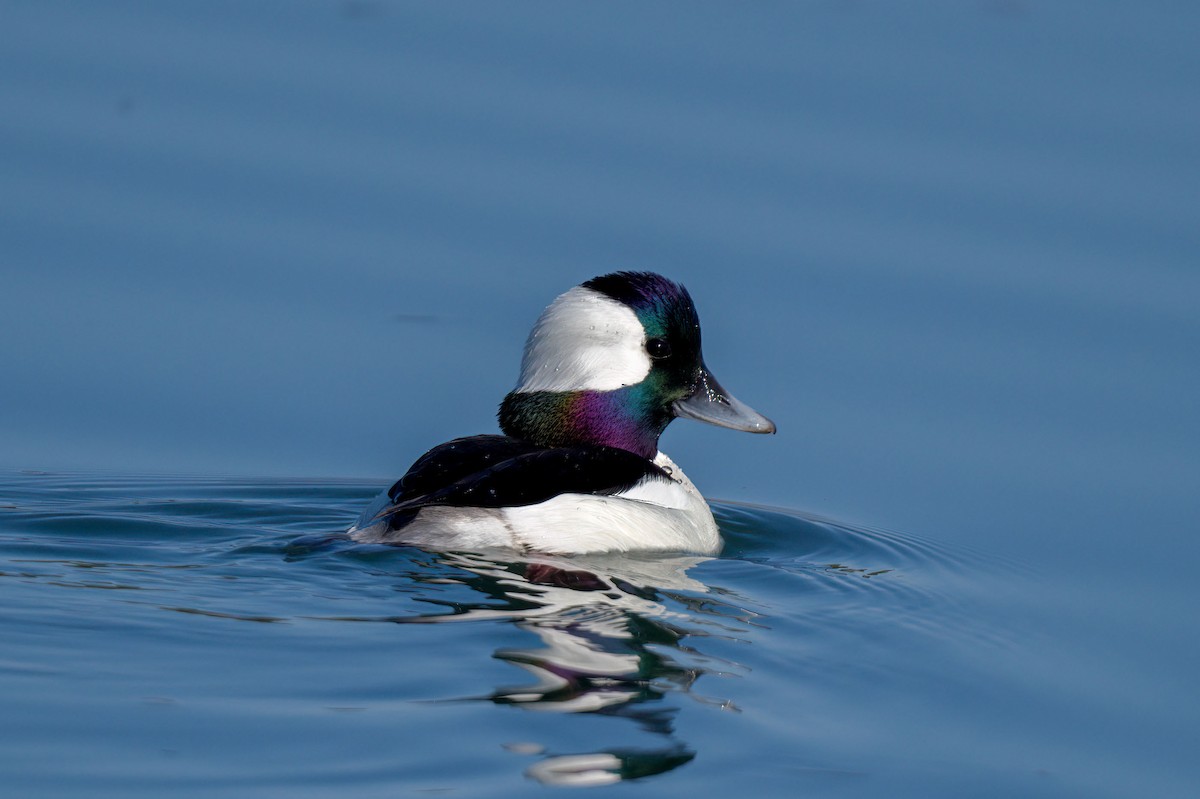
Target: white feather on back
{"x": 584, "y": 341}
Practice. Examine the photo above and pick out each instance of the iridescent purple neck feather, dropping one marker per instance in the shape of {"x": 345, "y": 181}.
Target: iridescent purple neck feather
{"x": 621, "y": 418}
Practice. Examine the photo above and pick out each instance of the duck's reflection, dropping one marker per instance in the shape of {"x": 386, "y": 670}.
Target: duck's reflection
{"x": 612, "y": 632}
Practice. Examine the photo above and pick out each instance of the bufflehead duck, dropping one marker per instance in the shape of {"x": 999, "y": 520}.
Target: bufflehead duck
{"x": 606, "y": 368}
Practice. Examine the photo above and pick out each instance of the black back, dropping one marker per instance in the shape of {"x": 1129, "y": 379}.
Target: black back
{"x": 498, "y": 471}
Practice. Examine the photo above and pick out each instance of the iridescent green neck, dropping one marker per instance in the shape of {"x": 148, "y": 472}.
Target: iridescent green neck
{"x": 625, "y": 418}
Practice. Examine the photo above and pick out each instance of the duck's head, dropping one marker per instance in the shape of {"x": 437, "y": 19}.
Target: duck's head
{"x": 612, "y": 362}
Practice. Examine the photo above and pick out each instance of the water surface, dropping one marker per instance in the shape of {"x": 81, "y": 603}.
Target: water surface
{"x": 950, "y": 248}
{"x": 205, "y": 635}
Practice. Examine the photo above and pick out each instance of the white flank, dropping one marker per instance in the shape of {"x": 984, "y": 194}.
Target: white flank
{"x": 654, "y": 515}
{"x": 656, "y": 491}
{"x": 584, "y": 341}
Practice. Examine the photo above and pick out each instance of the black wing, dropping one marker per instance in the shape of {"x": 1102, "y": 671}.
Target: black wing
{"x": 496, "y": 472}
{"x": 448, "y": 463}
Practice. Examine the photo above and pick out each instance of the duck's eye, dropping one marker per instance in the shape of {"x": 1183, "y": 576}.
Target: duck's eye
{"x": 658, "y": 348}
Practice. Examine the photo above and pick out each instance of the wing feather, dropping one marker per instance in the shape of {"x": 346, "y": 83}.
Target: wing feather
{"x": 497, "y": 472}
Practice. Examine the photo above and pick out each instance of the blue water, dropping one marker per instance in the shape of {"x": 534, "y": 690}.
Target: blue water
{"x": 197, "y": 635}
{"x": 255, "y": 258}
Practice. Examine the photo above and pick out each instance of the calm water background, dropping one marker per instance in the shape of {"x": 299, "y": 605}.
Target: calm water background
{"x": 283, "y": 248}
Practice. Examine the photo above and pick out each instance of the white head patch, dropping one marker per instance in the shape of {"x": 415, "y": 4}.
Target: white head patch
{"x": 584, "y": 340}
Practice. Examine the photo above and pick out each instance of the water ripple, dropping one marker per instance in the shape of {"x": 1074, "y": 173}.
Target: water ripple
{"x": 630, "y": 637}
